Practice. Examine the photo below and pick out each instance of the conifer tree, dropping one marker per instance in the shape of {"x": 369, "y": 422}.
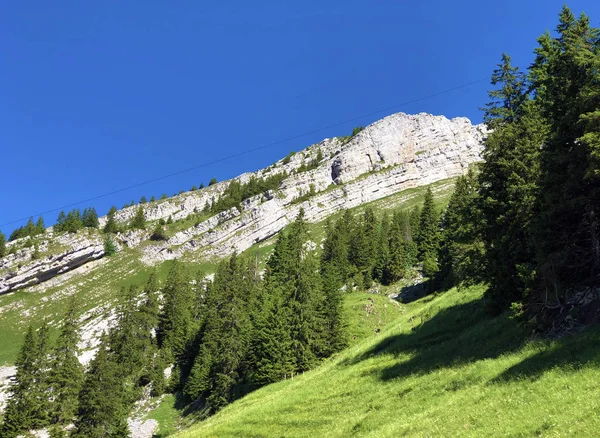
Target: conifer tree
{"x": 60, "y": 222}
{"x": 66, "y": 374}
{"x": 139, "y": 220}
{"x": 461, "y": 251}
{"x": 73, "y": 222}
{"x": 2, "y": 244}
{"x": 30, "y": 229}
{"x": 382, "y": 254}
{"x": 111, "y": 223}
{"x": 40, "y": 227}
{"x": 508, "y": 98}
{"x": 176, "y": 319}
{"x": 28, "y": 404}
{"x": 102, "y": 408}
{"x": 428, "y": 238}
{"x": 90, "y": 218}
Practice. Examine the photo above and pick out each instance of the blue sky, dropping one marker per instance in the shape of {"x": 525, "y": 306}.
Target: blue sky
{"x": 96, "y": 96}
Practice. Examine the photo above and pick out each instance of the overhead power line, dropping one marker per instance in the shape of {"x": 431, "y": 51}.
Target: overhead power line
{"x": 248, "y": 151}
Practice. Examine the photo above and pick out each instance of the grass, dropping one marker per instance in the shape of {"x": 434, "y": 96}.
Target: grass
{"x": 458, "y": 372}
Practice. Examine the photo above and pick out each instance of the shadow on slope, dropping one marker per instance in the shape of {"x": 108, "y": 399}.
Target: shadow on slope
{"x": 445, "y": 337}
{"x": 571, "y": 353}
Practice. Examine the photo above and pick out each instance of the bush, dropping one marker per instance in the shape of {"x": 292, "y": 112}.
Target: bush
{"x": 109, "y": 246}
{"x": 158, "y": 234}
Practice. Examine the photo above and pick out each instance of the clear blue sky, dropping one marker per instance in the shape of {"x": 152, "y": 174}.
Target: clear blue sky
{"x": 96, "y": 96}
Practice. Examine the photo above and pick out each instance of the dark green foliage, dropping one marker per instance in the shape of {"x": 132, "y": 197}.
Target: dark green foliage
{"x": 40, "y": 226}
{"x": 177, "y": 317}
{"x": 29, "y": 230}
{"x": 288, "y": 158}
{"x": 163, "y": 196}
{"x": 143, "y": 200}
{"x": 201, "y": 186}
{"x": 102, "y": 406}
{"x": 540, "y": 184}
{"x": 428, "y": 239}
{"x": 28, "y": 405}
{"x": 111, "y": 223}
{"x": 152, "y": 199}
{"x": 90, "y": 218}
{"x": 312, "y": 164}
{"x": 169, "y": 220}
{"x": 66, "y": 373}
{"x": 508, "y": 98}
{"x": 158, "y": 234}
{"x": 236, "y": 192}
{"x": 212, "y": 182}
{"x": 462, "y": 251}
{"x": 3, "y": 251}
{"x": 139, "y": 220}
{"x": 71, "y": 222}
{"x": 109, "y": 246}
{"x": 193, "y": 189}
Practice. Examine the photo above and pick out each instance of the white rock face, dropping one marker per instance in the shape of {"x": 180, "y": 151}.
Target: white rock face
{"x": 393, "y": 154}
{"x": 6, "y": 375}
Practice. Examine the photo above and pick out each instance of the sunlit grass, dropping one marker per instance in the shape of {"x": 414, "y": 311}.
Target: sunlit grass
{"x": 459, "y": 373}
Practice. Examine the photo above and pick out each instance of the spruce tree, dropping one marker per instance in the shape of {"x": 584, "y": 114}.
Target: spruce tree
{"x": 30, "y": 229}
{"x": 102, "y": 407}
{"x": 428, "y": 238}
{"x": 3, "y": 251}
{"x": 461, "y": 251}
{"x": 28, "y": 404}
{"x": 90, "y": 218}
{"x": 66, "y": 374}
{"x": 60, "y": 222}
{"x": 40, "y": 227}
{"x": 139, "y": 220}
{"x": 175, "y": 327}
{"x": 111, "y": 223}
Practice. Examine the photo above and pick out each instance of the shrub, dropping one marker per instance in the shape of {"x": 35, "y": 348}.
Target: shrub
{"x": 109, "y": 246}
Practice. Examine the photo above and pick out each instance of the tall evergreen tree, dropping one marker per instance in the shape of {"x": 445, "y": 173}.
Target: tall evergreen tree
{"x": 139, "y": 220}
{"x": 508, "y": 98}
{"x": 66, "y": 373}
{"x": 2, "y": 244}
{"x": 90, "y": 218}
{"x": 428, "y": 238}
{"x": 111, "y": 223}
{"x": 462, "y": 252}
{"x": 176, "y": 319}
{"x": 28, "y": 405}
{"x": 102, "y": 407}
{"x": 40, "y": 227}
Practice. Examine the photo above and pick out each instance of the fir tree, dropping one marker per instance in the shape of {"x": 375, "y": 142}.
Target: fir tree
{"x": 111, "y": 223}
{"x": 139, "y": 220}
{"x": 90, "y": 218}
{"x": 40, "y": 227}
{"x": 508, "y": 98}
{"x": 428, "y": 238}
{"x": 30, "y": 229}
{"x": 28, "y": 405}
{"x": 60, "y": 222}
{"x": 66, "y": 375}
{"x": 176, "y": 319}
{"x": 109, "y": 246}
{"x": 2, "y": 244}
{"x": 102, "y": 408}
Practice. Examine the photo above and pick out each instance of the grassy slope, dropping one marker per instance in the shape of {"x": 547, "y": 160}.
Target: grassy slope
{"x": 457, "y": 373}
{"x": 100, "y": 286}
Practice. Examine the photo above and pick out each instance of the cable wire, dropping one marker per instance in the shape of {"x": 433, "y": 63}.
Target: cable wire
{"x": 248, "y": 151}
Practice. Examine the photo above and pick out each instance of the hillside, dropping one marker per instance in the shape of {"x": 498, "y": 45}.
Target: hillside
{"x": 387, "y": 165}
{"x": 441, "y": 368}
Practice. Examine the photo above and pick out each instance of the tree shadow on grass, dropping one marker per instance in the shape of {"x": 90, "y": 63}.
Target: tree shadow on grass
{"x": 571, "y": 352}
{"x": 466, "y": 333}
{"x": 448, "y": 337}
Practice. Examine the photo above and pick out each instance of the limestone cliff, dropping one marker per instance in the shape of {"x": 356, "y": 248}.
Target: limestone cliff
{"x": 393, "y": 154}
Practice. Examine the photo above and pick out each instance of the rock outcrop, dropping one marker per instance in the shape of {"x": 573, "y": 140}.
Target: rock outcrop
{"x": 393, "y": 154}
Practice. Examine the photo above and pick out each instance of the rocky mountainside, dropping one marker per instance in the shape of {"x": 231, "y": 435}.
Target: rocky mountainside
{"x": 393, "y": 154}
